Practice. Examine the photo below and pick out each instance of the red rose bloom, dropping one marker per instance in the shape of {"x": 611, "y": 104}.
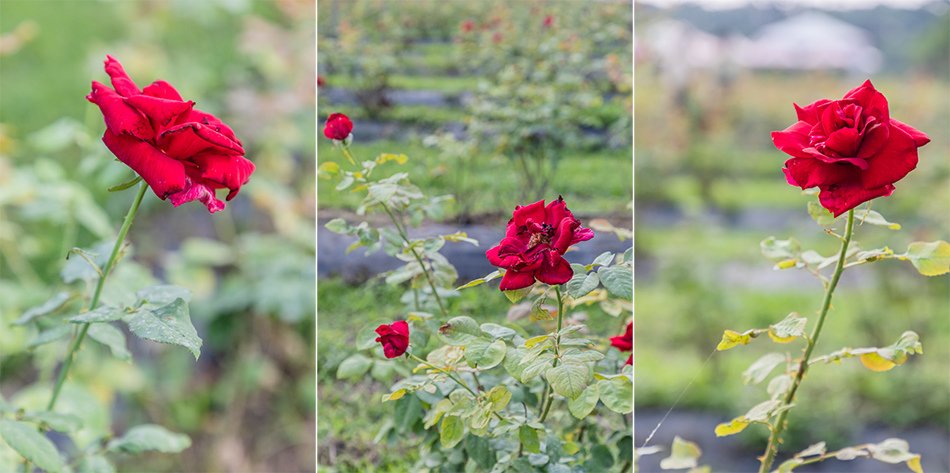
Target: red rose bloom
{"x": 320, "y": 81}
{"x": 534, "y": 241}
{"x": 851, "y": 149}
{"x": 624, "y": 342}
{"x": 182, "y": 153}
{"x": 338, "y": 127}
{"x": 548, "y": 21}
{"x": 467, "y": 26}
{"x": 394, "y": 338}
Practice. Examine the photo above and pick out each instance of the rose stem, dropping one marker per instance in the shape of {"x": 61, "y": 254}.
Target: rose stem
{"x": 772, "y": 449}
{"x": 77, "y": 340}
{"x": 453, "y": 378}
{"x": 557, "y": 344}
{"x": 405, "y": 239}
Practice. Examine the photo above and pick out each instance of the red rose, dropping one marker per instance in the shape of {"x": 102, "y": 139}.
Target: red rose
{"x": 338, "y": 127}
{"x": 182, "y": 153}
{"x": 624, "y": 342}
{"x": 320, "y": 81}
{"x": 534, "y": 241}
{"x": 629, "y": 360}
{"x": 548, "y": 21}
{"x": 394, "y": 338}
{"x": 467, "y": 26}
{"x": 851, "y": 149}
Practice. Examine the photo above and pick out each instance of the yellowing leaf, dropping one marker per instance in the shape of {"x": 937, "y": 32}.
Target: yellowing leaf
{"x": 395, "y": 395}
{"x": 732, "y": 427}
{"x": 914, "y": 465}
{"x": 386, "y": 157}
{"x": 777, "y": 339}
{"x": 732, "y": 338}
{"x": 875, "y": 362}
{"x": 531, "y": 342}
{"x": 930, "y": 259}
{"x": 786, "y": 264}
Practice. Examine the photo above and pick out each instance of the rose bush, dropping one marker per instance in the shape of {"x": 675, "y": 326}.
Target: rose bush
{"x": 183, "y": 154}
{"x": 851, "y": 149}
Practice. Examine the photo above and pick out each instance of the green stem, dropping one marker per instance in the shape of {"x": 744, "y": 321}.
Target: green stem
{"x": 557, "y": 345}
{"x": 77, "y": 340}
{"x": 445, "y": 372}
{"x": 775, "y": 437}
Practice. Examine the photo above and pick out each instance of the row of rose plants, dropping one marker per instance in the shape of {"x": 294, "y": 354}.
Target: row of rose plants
{"x": 853, "y": 152}
{"x": 182, "y": 155}
{"x": 479, "y": 395}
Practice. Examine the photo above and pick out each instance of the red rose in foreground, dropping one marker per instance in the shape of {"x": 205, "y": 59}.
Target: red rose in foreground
{"x": 182, "y": 153}
{"x": 624, "y": 342}
{"x": 394, "y": 338}
{"x": 338, "y": 127}
{"x": 851, "y": 149}
{"x": 536, "y": 238}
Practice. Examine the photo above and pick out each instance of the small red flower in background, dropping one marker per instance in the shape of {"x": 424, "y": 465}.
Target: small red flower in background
{"x": 338, "y": 127}
{"x": 320, "y": 81}
{"x": 534, "y": 241}
{"x": 394, "y": 338}
{"x": 467, "y": 26}
{"x": 548, "y": 21}
{"x": 851, "y": 149}
{"x": 624, "y": 342}
{"x": 182, "y": 153}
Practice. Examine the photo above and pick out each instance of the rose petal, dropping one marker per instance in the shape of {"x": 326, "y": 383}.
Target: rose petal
{"x": 875, "y": 136}
{"x": 162, "y": 90}
{"x": 190, "y": 139}
{"x": 516, "y": 280}
{"x": 227, "y": 170}
{"x": 873, "y": 102}
{"x": 212, "y": 122}
{"x": 124, "y": 85}
{"x": 843, "y": 197}
{"x": 163, "y": 174}
{"x": 555, "y": 270}
{"x": 531, "y": 212}
{"x": 844, "y": 141}
{"x": 856, "y": 162}
{"x": 564, "y": 234}
{"x": 809, "y": 113}
{"x": 556, "y": 211}
{"x": 197, "y": 191}
{"x": 793, "y": 139}
{"x": 920, "y": 138}
{"x": 507, "y": 253}
{"x": 891, "y": 163}
{"x": 120, "y": 117}
{"x": 160, "y": 111}
{"x": 806, "y": 173}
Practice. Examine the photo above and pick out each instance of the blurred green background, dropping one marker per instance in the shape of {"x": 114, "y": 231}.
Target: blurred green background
{"x": 415, "y": 79}
{"x": 709, "y": 188}
{"x": 248, "y": 403}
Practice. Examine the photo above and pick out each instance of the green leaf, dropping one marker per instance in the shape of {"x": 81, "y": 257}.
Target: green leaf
{"x": 569, "y": 379}
{"x": 874, "y": 218}
{"x": 52, "y": 305}
{"x": 617, "y": 394}
{"x": 585, "y": 403}
{"x": 499, "y": 397}
{"x": 103, "y": 313}
{"x": 50, "y": 335}
{"x": 893, "y": 451}
{"x": 779, "y": 250}
{"x": 603, "y": 259}
{"x": 150, "y": 437}
{"x": 168, "y": 324}
{"x": 111, "y": 337}
{"x": 451, "y": 431}
{"x": 498, "y": 331}
{"x": 537, "y": 366}
{"x": 354, "y": 366}
{"x": 96, "y": 464}
{"x": 683, "y": 454}
{"x": 82, "y": 265}
{"x": 32, "y": 445}
{"x": 460, "y": 330}
{"x": 516, "y": 295}
{"x": 581, "y": 284}
{"x": 482, "y": 354}
{"x": 512, "y": 362}
{"x": 758, "y": 371}
{"x": 433, "y": 415}
{"x": 479, "y": 449}
{"x": 125, "y": 185}
{"x": 790, "y": 328}
{"x": 482, "y": 280}
{"x": 618, "y": 280}
{"x": 779, "y": 386}
{"x": 930, "y": 259}
{"x": 407, "y": 410}
{"x": 162, "y": 294}
{"x": 55, "y": 420}
{"x": 338, "y": 225}
{"x": 819, "y": 214}
{"x": 528, "y": 436}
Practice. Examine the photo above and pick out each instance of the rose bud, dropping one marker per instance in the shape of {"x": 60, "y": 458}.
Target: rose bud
{"x": 182, "y": 153}
{"x": 394, "y": 338}
{"x": 338, "y": 127}
{"x": 535, "y": 240}
{"x": 850, "y": 149}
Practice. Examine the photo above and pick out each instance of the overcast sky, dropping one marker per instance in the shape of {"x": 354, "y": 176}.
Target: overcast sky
{"x": 825, "y": 4}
